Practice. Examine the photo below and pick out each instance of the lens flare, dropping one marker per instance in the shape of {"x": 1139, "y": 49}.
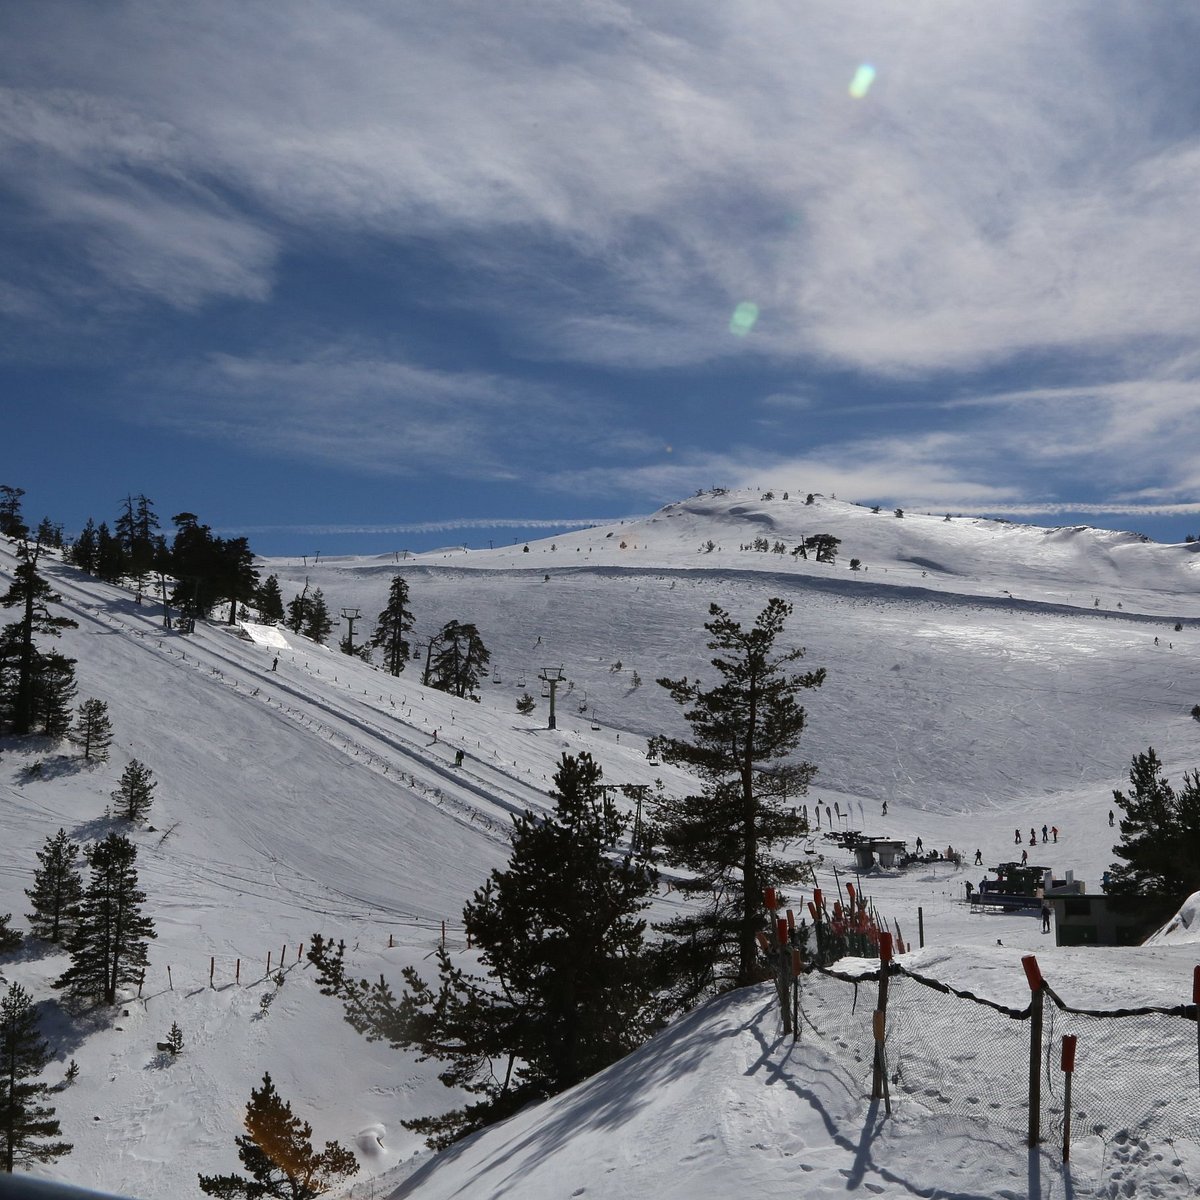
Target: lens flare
{"x": 860, "y": 85}
{"x": 743, "y": 319}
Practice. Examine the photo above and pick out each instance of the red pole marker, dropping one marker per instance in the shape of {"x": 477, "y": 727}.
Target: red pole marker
{"x": 1196, "y": 985}
{"x": 791, "y": 919}
{"x": 885, "y": 947}
{"x": 769, "y": 899}
{"x": 817, "y": 897}
{"x": 1068, "y": 1052}
{"x": 812, "y": 908}
{"x": 1033, "y": 972}
{"x": 781, "y": 931}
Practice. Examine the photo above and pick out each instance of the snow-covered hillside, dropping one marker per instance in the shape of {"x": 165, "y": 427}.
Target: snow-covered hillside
{"x": 973, "y": 683}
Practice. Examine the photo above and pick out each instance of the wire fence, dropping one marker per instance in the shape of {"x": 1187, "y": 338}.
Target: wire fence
{"x": 950, "y": 1052}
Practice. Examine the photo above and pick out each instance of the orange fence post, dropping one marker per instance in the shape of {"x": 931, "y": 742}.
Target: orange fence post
{"x": 1037, "y": 988}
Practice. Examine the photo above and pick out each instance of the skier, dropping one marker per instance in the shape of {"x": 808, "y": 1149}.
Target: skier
{"x": 918, "y": 845}
{"x": 885, "y": 808}
{"x": 275, "y": 662}
{"x": 1045, "y": 917}
{"x": 979, "y": 858}
{"x": 1017, "y": 838}
{"x": 1054, "y": 830}
{"x": 1110, "y": 818}
{"x": 1033, "y": 837}
{"x": 1024, "y": 857}
{"x": 1045, "y": 833}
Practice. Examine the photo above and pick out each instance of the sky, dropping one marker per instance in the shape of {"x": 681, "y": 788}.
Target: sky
{"x": 352, "y": 276}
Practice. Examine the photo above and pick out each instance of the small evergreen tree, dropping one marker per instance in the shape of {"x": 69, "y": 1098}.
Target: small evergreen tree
{"x": 1160, "y": 833}
{"x": 82, "y": 553}
{"x": 174, "y": 1042}
{"x": 526, "y": 704}
{"x": 277, "y": 1153}
{"x": 560, "y": 934}
{"x": 57, "y": 889}
{"x": 135, "y": 792}
{"x": 394, "y": 622}
{"x": 10, "y": 939}
{"x": 269, "y": 601}
{"x": 26, "y": 1122}
{"x": 744, "y": 732}
{"x": 109, "y": 942}
{"x": 12, "y": 524}
{"x": 93, "y": 730}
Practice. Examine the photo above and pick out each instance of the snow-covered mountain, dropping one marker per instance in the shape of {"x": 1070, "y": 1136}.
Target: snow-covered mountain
{"x": 982, "y": 676}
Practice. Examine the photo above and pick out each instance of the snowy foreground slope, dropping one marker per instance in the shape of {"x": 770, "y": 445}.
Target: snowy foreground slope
{"x": 973, "y": 682}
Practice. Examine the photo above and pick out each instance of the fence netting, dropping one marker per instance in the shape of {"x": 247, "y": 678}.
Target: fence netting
{"x": 954, "y": 1053}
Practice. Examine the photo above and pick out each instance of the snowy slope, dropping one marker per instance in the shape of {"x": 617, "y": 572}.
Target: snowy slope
{"x": 315, "y": 798}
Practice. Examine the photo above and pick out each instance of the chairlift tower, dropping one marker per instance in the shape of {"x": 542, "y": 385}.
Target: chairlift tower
{"x": 552, "y": 677}
{"x": 350, "y": 615}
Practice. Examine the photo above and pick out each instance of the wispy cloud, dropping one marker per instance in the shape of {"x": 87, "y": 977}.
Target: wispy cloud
{"x": 435, "y": 526}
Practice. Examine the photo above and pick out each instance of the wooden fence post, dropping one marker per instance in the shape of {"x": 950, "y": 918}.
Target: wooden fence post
{"x": 212, "y": 966}
{"x": 170, "y": 981}
{"x": 879, "y": 1088}
{"x": 268, "y": 962}
{"x": 921, "y": 927}
{"x": 1068, "y": 1066}
{"x": 1037, "y": 989}
{"x": 237, "y": 975}
{"x": 1196, "y": 1001}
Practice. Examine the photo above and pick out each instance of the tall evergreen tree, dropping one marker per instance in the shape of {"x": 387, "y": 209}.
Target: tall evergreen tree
{"x": 57, "y": 889}
{"x": 135, "y": 531}
{"x": 49, "y": 533}
{"x": 237, "y": 580}
{"x": 1160, "y": 833}
{"x": 297, "y": 610}
{"x": 318, "y": 624}
{"x": 11, "y": 522}
{"x": 109, "y": 942}
{"x": 110, "y": 556}
{"x": 53, "y": 692}
{"x": 269, "y": 601}
{"x": 135, "y": 793}
{"x": 32, "y": 595}
{"x": 93, "y": 730}
{"x": 394, "y": 622}
{"x": 10, "y": 939}
{"x": 560, "y": 935}
{"x": 458, "y": 660}
{"x": 85, "y": 548}
{"x": 26, "y": 1122}
{"x": 744, "y": 731}
{"x": 277, "y": 1153}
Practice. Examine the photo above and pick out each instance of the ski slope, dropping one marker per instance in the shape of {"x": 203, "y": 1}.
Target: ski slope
{"x": 973, "y": 683}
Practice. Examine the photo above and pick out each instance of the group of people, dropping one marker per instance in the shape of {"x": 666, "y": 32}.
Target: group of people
{"x": 1048, "y": 832}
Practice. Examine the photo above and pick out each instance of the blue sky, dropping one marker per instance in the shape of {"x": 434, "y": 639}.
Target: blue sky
{"x": 354, "y": 276}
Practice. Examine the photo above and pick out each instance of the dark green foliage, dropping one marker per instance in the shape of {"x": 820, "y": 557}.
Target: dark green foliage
{"x": 84, "y": 550}
{"x": 277, "y": 1153}
{"x": 744, "y": 731}
{"x": 174, "y": 1042}
{"x": 459, "y": 657}
{"x": 135, "y": 532}
{"x": 53, "y": 692}
{"x": 1160, "y": 833}
{"x": 560, "y": 937}
{"x": 824, "y": 546}
{"x": 526, "y": 704}
{"x": 25, "y": 1121}
{"x": 209, "y": 569}
{"x": 49, "y": 533}
{"x": 10, "y": 939}
{"x": 109, "y": 942}
{"x": 318, "y": 624}
{"x": 899, "y": 512}
{"x": 30, "y": 593}
{"x": 269, "y": 601}
{"x": 11, "y": 523}
{"x": 1196, "y": 712}
{"x": 57, "y": 889}
{"x": 394, "y": 622}
{"x": 135, "y": 793}
{"x": 93, "y": 730}
{"x": 110, "y": 558}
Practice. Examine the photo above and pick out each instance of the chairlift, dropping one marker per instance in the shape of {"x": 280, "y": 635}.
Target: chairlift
{"x": 595, "y": 720}
{"x": 521, "y": 679}
{"x": 496, "y": 675}
{"x": 545, "y": 689}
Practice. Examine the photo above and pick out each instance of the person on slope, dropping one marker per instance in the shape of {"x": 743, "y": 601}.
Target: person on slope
{"x": 979, "y": 858}
{"x": 1045, "y": 917}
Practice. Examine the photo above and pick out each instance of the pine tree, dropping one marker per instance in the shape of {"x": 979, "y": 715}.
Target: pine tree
{"x": 110, "y": 557}
{"x": 174, "y": 1042}
{"x": 318, "y": 624}
{"x": 53, "y": 692}
{"x": 93, "y": 730}
{"x": 57, "y": 889}
{"x": 135, "y": 792}
{"x": 277, "y": 1153}
{"x": 84, "y": 550}
{"x": 11, "y": 523}
{"x": 32, "y": 594}
{"x": 10, "y": 939}
{"x": 560, "y": 934}
{"x": 394, "y": 622}
{"x": 458, "y": 660}
{"x": 1160, "y": 833}
{"x": 297, "y": 610}
{"x": 237, "y": 579}
{"x": 135, "y": 533}
{"x": 526, "y": 704}
{"x": 25, "y": 1121}
{"x": 109, "y": 942}
{"x": 742, "y": 731}
{"x": 269, "y": 601}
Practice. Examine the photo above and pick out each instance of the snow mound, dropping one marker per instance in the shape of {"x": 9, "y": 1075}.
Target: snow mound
{"x": 1183, "y": 927}
{"x": 265, "y": 635}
